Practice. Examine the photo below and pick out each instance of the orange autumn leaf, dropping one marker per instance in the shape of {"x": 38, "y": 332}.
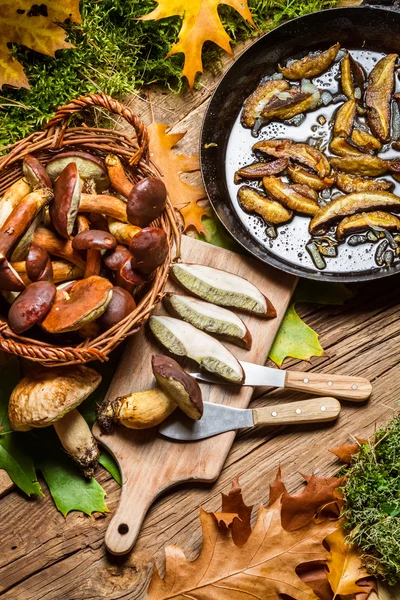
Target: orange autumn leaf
{"x": 36, "y": 26}
{"x": 277, "y": 488}
{"x": 264, "y": 567}
{"x": 344, "y": 565}
{"x": 236, "y": 514}
{"x": 184, "y": 196}
{"x": 200, "y": 23}
{"x": 345, "y": 452}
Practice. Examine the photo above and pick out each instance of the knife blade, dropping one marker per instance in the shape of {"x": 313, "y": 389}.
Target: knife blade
{"x": 218, "y": 418}
{"x": 348, "y": 387}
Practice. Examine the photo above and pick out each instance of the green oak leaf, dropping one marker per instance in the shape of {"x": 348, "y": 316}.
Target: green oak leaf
{"x": 109, "y": 463}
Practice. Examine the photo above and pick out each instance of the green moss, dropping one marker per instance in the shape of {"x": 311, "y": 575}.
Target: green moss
{"x": 116, "y": 54}
{"x": 372, "y": 500}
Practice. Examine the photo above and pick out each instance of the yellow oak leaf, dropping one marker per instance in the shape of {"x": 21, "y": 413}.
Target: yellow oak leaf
{"x": 34, "y": 25}
{"x": 344, "y": 564}
{"x": 184, "y": 196}
{"x": 201, "y": 23}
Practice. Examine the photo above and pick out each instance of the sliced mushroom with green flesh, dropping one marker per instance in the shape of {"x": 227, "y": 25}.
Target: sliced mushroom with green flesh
{"x": 255, "y": 103}
{"x": 86, "y": 301}
{"x": 178, "y": 385}
{"x": 93, "y": 242}
{"x": 364, "y": 221}
{"x": 121, "y": 305}
{"x": 12, "y": 197}
{"x": 149, "y": 249}
{"x": 183, "y": 339}
{"x": 261, "y": 169}
{"x": 35, "y": 173}
{"x": 90, "y": 168}
{"x": 146, "y": 201}
{"x": 378, "y": 96}
{"x": 349, "y": 205}
{"x": 222, "y": 288}
{"x": 32, "y": 405}
{"x": 298, "y": 152}
{"x": 271, "y": 211}
{"x": 310, "y": 66}
{"x": 31, "y": 306}
{"x": 289, "y": 196}
{"x": 209, "y": 318}
{"x": 38, "y": 264}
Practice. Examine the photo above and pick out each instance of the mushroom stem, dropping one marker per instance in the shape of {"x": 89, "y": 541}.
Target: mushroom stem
{"x": 46, "y": 239}
{"x": 62, "y": 271}
{"x": 117, "y": 176}
{"x": 12, "y": 197}
{"x": 105, "y": 204}
{"x": 123, "y": 232}
{"x": 78, "y": 441}
{"x": 93, "y": 263}
{"x": 82, "y": 223}
{"x": 21, "y": 217}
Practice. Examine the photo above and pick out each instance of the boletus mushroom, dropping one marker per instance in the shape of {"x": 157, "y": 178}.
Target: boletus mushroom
{"x": 121, "y": 305}
{"x": 94, "y": 241}
{"x": 181, "y": 387}
{"x": 146, "y": 201}
{"x": 149, "y": 249}
{"x": 90, "y": 168}
{"x": 12, "y": 197}
{"x": 38, "y": 264}
{"x": 67, "y": 196}
{"x": 10, "y": 280}
{"x": 86, "y": 301}
{"x": 50, "y": 397}
{"x": 117, "y": 175}
{"x": 31, "y": 306}
{"x": 35, "y": 173}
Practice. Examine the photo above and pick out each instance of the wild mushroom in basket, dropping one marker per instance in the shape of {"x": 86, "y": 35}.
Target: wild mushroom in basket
{"x": 12, "y": 197}
{"x": 94, "y": 242}
{"x": 35, "y": 173}
{"x": 38, "y": 264}
{"x": 91, "y": 169}
{"x": 120, "y": 306}
{"x": 50, "y": 397}
{"x": 149, "y": 249}
{"x": 31, "y": 306}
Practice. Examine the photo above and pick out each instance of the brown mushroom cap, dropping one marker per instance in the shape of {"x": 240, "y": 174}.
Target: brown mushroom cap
{"x": 38, "y": 264}
{"x": 67, "y": 195}
{"x": 31, "y": 306}
{"x": 46, "y": 396}
{"x": 149, "y": 249}
{"x": 10, "y": 281}
{"x": 86, "y": 301}
{"x": 121, "y": 305}
{"x": 94, "y": 239}
{"x": 129, "y": 275}
{"x": 146, "y": 201}
{"x": 88, "y": 166}
{"x": 178, "y": 385}
{"x": 117, "y": 258}
{"x": 35, "y": 173}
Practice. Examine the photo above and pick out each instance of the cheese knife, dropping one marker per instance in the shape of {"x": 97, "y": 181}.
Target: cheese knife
{"x": 352, "y": 388}
{"x": 218, "y": 418}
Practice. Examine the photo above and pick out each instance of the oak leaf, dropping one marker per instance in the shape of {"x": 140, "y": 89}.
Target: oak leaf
{"x": 345, "y": 452}
{"x": 200, "y": 23}
{"x": 264, "y": 567}
{"x": 184, "y": 196}
{"x": 344, "y": 565}
{"x": 235, "y": 514}
{"x": 34, "y": 25}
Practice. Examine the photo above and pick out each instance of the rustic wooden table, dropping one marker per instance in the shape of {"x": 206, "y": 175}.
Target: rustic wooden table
{"x": 46, "y": 557}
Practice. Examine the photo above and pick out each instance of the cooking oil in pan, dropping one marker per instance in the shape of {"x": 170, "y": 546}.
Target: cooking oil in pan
{"x": 290, "y": 243}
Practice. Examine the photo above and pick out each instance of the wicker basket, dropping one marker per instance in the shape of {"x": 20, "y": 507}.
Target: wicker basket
{"x": 132, "y": 151}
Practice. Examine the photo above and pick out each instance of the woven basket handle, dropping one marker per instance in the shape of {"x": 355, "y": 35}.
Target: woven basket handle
{"x": 58, "y": 124}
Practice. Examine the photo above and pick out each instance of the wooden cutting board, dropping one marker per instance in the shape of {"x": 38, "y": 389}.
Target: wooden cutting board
{"x": 150, "y": 464}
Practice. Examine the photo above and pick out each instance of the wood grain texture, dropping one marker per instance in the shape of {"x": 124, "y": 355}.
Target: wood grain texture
{"x": 355, "y": 389}
{"x": 310, "y": 410}
{"x": 151, "y": 464}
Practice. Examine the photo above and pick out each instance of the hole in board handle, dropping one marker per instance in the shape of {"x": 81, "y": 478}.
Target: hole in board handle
{"x": 123, "y": 528}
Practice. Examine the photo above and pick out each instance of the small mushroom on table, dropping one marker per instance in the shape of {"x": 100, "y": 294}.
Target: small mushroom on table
{"x": 50, "y": 397}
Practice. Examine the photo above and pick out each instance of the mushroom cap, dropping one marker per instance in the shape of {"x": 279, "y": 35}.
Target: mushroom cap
{"x": 31, "y": 306}
{"x": 67, "y": 195}
{"x": 146, "y": 201}
{"x": 178, "y": 385}
{"x": 35, "y": 173}
{"x": 10, "y": 281}
{"x": 38, "y": 264}
{"x": 88, "y": 165}
{"x": 116, "y": 259}
{"x": 129, "y": 275}
{"x": 121, "y": 305}
{"x": 86, "y": 301}
{"x": 149, "y": 249}
{"x": 94, "y": 239}
{"x": 46, "y": 396}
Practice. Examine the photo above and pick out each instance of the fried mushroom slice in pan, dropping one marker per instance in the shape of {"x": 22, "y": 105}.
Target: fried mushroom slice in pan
{"x": 286, "y": 105}
{"x": 256, "y": 102}
{"x": 299, "y": 175}
{"x": 298, "y": 152}
{"x": 364, "y": 221}
{"x": 289, "y": 197}
{"x": 352, "y": 77}
{"x": 349, "y": 205}
{"x": 365, "y": 140}
{"x": 378, "y": 96}
{"x": 341, "y": 147}
{"x": 345, "y": 119}
{"x": 362, "y": 164}
{"x": 261, "y": 169}
{"x": 351, "y": 183}
{"x": 271, "y": 211}
{"x": 310, "y": 66}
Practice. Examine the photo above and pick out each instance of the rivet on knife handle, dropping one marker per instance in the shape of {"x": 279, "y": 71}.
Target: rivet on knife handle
{"x": 356, "y": 389}
{"x": 305, "y": 411}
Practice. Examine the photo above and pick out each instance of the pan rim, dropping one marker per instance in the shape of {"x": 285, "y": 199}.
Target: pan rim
{"x": 268, "y": 258}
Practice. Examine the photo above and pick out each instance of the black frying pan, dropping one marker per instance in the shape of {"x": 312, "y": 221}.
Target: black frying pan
{"x": 373, "y": 28}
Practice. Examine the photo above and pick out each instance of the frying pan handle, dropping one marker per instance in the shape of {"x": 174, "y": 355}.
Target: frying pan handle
{"x": 388, "y": 4}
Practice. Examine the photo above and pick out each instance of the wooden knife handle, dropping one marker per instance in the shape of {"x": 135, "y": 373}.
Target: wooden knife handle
{"x": 305, "y": 411}
{"x": 351, "y": 388}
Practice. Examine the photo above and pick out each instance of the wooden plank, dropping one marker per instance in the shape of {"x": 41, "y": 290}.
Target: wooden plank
{"x": 151, "y": 464}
